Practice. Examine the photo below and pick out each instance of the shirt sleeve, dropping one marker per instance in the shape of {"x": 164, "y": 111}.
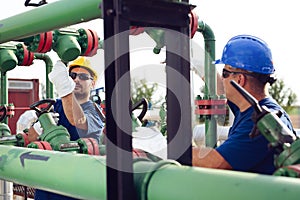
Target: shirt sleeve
{"x": 94, "y": 123}
{"x": 242, "y": 152}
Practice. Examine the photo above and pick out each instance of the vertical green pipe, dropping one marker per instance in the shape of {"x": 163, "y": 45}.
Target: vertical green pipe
{"x": 49, "y": 17}
{"x": 210, "y": 82}
{"x": 5, "y": 185}
{"x": 49, "y": 65}
{"x": 163, "y": 181}
{"x": 4, "y": 92}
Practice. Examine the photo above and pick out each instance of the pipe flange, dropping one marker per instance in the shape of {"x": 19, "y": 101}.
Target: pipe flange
{"x": 193, "y": 23}
{"x": 151, "y": 172}
{"x": 45, "y": 42}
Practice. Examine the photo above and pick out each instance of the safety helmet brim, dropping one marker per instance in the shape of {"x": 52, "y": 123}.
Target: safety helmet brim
{"x": 219, "y": 61}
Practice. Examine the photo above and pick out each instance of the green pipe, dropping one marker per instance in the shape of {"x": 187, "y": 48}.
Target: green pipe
{"x": 49, "y": 65}
{"x": 210, "y": 81}
{"x": 169, "y": 181}
{"x": 84, "y": 176}
{"x": 81, "y": 176}
{"x": 4, "y": 92}
{"x": 49, "y": 17}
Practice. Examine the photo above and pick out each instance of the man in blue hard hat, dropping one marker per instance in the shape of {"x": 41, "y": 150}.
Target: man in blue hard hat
{"x": 247, "y": 60}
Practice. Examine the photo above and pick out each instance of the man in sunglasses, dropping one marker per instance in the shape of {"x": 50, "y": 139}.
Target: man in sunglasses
{"x": 77, "y": 113}
{"x": 248, "y": 61}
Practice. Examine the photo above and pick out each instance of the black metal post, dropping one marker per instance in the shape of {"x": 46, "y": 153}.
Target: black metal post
{"x": 118, "y": 122}
{"x": 118, "y": 16}
{"x": 179, "y": 127}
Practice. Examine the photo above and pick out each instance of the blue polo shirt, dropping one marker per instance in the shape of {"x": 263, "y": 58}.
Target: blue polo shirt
{"x": 250, "y": 154}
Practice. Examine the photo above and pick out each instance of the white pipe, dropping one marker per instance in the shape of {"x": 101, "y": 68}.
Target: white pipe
{"x": 199, "y": 134}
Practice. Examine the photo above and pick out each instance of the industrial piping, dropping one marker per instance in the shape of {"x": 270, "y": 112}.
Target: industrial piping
{"x": 49, "y": 65}
{"x": 48, "y": 17}
{"x": 84, "y": 176}
{"x": 210, "y": 81}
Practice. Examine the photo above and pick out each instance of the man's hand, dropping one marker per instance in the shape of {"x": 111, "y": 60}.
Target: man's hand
{"x": 32, "y": 135}
{"x": 59, "y": 77}
{"x": 26, "y": 120}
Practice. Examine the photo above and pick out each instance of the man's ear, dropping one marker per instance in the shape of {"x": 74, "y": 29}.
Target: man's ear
{"x": 93, "y": 84}
{"x": 241, "y": 79}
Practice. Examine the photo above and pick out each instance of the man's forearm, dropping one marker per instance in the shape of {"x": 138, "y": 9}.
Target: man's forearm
{"x": 74, "y": 112}
{"x": 210, "y": 158}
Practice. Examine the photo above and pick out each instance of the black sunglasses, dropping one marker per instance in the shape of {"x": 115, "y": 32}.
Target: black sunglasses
{"x": 81, "y": 76}
{"x": 226, "y": 73}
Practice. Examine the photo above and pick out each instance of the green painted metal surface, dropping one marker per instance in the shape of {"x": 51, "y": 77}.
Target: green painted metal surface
{"x": 49, "y": 66}
{"x": 5, "y": 132}
{"x": 290, "y": 156}
{"x": 66, "y": 45}
{"x": 210, "y": 82}
{"x": 79, "y": 175}
{"x": 4, "y": 92}
{"x": 49, "y": 17}
{"x": 84, "y": 176}
{"x": 55, "y": 135}
{"x": 169, "y": 182}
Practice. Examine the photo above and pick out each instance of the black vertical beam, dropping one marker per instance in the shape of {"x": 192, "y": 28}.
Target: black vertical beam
{"x": 179, "y": 95}
{"x": 173, "y": 17}
{"x": 118, "y": 122}
{"x": 118, "y": 15}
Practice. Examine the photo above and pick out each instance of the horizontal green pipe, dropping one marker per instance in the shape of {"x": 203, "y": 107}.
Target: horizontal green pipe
{"x": 81, "y": 176}
{"x": 49, "y": 17}
{"x": 84, "y": 176}
{"x": 169, "y": 182}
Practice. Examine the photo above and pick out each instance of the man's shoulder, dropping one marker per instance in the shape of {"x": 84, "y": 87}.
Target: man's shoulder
{"x": 87, "y": 105}
{"x": 270, "y": 103}
{"x": 89, "y": 108}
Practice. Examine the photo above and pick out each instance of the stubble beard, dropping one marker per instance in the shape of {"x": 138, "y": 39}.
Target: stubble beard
{"x": 81, "y": 95}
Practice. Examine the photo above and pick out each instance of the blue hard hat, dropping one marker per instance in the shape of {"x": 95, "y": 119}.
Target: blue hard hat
{"x": 249, "y": 53}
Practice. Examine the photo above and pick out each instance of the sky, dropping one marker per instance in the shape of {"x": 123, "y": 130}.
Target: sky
{"x": 276, "y": 22}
